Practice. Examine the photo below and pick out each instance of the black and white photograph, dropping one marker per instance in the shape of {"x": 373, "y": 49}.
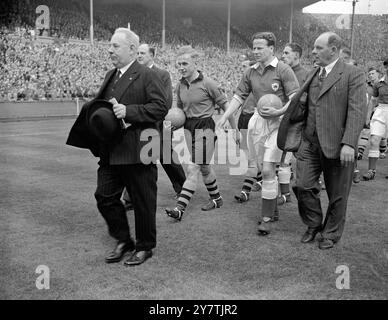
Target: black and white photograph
{"x": 194, "y": 154}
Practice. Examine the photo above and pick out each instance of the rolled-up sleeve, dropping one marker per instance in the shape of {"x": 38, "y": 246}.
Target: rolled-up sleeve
{"x": 216, "y": 92}
{"x": 244, "y": 88}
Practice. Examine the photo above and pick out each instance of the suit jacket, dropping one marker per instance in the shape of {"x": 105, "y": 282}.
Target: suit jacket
{"x": 293, "y": 121}
{"x": 166, "y": 80}
{"x": 341, "y": 109}
{"x": 145, "y": 99}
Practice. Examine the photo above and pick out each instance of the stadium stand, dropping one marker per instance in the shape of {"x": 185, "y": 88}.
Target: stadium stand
{"x": 66, "y": 66}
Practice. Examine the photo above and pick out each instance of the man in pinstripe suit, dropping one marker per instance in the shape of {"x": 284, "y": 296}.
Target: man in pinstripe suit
{"x": 139, "y": 100}
{"x": 334, "y": 119}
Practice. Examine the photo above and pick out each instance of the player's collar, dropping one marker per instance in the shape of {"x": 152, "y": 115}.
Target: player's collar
{"x": 273, "y": 63}
{"x": 199, "y": 78}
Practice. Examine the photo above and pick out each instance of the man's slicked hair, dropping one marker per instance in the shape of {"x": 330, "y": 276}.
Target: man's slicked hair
{"x": 131, "y": 36}
{"x": 295, "y": 48}
{"x": 269, "y": 36}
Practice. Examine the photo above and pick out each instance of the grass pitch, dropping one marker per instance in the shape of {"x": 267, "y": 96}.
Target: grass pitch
{"x": 49, "y": 217}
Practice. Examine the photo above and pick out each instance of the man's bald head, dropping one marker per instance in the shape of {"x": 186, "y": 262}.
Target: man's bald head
{"x": 327, "y": 48}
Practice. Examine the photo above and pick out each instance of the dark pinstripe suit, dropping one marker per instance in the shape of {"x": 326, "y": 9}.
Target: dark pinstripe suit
{"x": 120, "y": 165}
{"x": 339, "y": 104}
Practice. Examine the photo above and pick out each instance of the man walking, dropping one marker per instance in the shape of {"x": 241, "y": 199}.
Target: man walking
{"x": 335, "y": 116}
{"x": 267, "y": 76}
{"x": 139, "y": 101}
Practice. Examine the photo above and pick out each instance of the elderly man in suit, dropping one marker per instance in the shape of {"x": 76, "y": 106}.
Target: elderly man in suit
{"x": 173, "y": 169}
{"x": 333, "y": 121}
{"x": 138, "y": 102}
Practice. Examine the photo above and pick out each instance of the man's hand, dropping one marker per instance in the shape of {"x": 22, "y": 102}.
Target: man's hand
{"x": 347, "y": 155}
{"x": 268, "y": 112}
{"x": 119, "y": 109}
{"x": 168, "y": 126}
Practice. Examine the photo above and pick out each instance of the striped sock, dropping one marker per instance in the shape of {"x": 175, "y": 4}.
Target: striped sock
{"x": 259, "y": 177}
{"x": 248, "y": 183}
{"x": 184, "y": 198}
{"x": 362, "y": 143}
{"x": 212, "y": 188}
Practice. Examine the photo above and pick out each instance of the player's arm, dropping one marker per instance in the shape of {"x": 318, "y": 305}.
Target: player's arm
{"x": 243, "y": 90}
{"x": 221, "y": 100}
{"x": 231, "y": 119}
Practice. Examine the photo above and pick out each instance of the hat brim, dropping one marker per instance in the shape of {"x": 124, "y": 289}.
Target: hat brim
{"x": 95, "y": 105}
{"x": 112, "y": 124}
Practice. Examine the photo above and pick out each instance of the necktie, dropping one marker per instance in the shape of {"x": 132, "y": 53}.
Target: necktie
{"x": 322, "y": 77}
{"x": 114, "y": 80}
{"x": 117, "y": 76}
{"x": 323, "y": 74}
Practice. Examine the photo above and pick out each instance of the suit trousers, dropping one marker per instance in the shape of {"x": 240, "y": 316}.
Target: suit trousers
{"x": 338, "y": 180}
{"x": 140, "y": 181}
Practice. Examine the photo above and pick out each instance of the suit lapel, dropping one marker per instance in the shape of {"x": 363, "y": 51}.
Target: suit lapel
{"x": 127, "y": 79}
{"x": 332, "y": 78}
{"x": 106, "y": 81}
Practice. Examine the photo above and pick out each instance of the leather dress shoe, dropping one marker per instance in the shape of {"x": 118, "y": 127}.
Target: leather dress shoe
{"x": 326, "y": 244}
{"x": 309, "y": 235}
{"x": 138, "y": 258}
{"x": 118, "y": 252}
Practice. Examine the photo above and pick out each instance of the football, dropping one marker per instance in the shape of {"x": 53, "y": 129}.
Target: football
{"x": 269, "y": 100}
{"x": 176, "y": 116}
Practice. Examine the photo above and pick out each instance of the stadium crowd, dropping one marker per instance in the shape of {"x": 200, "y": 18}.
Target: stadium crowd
{"x": 34, "y": 69}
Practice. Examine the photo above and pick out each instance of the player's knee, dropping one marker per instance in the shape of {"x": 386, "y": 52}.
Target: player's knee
{"x": 269, "y": 189}
{"x": 252, "y": 163}
{"x": 252, "y": 172}
{"x": 268, "y": 174}
{"x": 374, "y": 141}
{"x": 205, "y": 170}
{"x": 192, "y": 170}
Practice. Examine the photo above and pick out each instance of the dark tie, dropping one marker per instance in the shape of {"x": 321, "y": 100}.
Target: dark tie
{"x": 116, "y": 77}
{"x": 114, "y": 80}
{"x": 322, "y": 76}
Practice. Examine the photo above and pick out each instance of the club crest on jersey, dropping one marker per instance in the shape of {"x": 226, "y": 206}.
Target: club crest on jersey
{"x": 275, "y": 86}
